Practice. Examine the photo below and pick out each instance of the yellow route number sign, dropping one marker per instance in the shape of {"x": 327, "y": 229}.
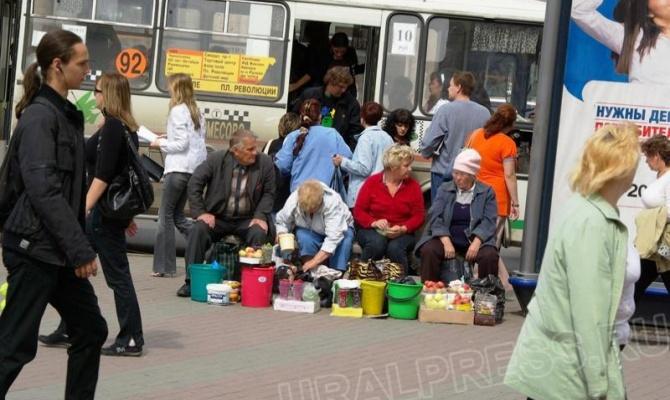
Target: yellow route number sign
{"x": 131, "y": 63}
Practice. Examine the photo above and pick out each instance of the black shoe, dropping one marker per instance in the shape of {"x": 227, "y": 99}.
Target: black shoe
{"x": 55, "y": 339}
{"x": 185, "y": 290}
{"x": 121, "y": 351}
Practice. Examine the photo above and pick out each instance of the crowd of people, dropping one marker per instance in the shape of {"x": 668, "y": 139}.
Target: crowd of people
{"x": 56, "y": 229}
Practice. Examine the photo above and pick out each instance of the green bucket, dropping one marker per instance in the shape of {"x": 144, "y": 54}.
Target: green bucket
{"x": 201, "y": 276}
{"x": 404, "y": 300}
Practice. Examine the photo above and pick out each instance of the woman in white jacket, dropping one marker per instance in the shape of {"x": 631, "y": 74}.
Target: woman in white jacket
{"x": 641, "y": 39}
{"x": 185, "y": 149}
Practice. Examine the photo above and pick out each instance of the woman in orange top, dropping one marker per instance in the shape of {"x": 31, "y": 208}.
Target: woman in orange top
{"x": 498, "y": 168}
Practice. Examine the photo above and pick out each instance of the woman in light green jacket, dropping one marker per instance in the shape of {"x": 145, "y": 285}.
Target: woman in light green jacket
{"x": 566, "y": 348}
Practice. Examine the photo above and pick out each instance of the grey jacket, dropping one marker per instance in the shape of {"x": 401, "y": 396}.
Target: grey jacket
{"x": 483, "y": 214}
{"x": 215, "y": 174}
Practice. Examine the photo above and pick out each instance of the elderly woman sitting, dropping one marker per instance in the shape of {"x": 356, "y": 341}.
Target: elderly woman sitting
{"x": 389, "y": 208}
{"x": 323, "y": 225}
{"x": 461, "y": 221}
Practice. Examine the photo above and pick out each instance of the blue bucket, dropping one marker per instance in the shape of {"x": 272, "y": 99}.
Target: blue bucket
{"x": 201, "y": 276}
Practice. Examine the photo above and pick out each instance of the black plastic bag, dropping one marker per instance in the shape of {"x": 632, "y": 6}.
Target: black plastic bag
{"x": 455, "y": 268}
{"x": 491, "y": 285}
{"x": 226, "y": 254}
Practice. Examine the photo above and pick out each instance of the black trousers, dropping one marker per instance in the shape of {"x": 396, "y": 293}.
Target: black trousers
{"x": 33, "y": 285}
{"x": 201, "y": 237}
{"x": 376, "y": 246}
{"x": 432, "y": 257}
{"x": 109, "y": 241}
{"x": 648, "y": 274}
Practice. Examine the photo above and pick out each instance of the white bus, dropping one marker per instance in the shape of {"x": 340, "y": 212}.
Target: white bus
{"x": 240, "y": 54}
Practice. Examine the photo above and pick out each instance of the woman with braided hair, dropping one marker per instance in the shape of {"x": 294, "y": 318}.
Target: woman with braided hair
{"x": 308, "y": 151}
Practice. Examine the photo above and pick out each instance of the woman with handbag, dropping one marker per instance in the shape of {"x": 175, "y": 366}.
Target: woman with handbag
{"x": 307, "y": 152}
{"x": 389, "y": 209}
{"x": 107, "y": 157}
{"x": 498, "y": 169}
{"x": 185, "y": 149}
{"x": 657, "y": 153}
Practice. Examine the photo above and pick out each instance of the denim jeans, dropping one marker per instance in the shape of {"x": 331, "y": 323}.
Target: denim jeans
{"x": 435, "y": 183}
{"x": 375, "y": 246}
{"x": 171, "y": 215}
{"x": 310, "y": 243}
{"x": 32, "y": 285}
{"x": 110, "y": 243}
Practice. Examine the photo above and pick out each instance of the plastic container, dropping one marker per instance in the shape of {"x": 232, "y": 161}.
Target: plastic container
{"x": 373, "y": 297}
{"x": 201, "y": 276}
{"x": 404, "y": 300}
{"x": 218, "y": 294}
{"x": 257, "y": 286}
{"x": 284, "y": 288}
{"x": 297, "y": 290}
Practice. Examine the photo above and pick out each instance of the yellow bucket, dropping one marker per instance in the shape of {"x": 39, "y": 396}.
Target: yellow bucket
{"x": 373, "y": 297}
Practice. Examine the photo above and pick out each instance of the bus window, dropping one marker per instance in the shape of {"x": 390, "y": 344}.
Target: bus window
{"x": 111, "y": 47}
{"x": 82, "y": 9}
{"x": 502, "y": 56}
{"x": 230, "y": 49}
{"x": 400, "y": 71}
{"x": 139, "y": 12}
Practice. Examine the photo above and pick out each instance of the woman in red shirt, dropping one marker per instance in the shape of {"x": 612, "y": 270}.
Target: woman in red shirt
{"x": 389, "y": 209}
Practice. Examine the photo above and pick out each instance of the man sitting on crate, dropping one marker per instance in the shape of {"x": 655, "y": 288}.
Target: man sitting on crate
{"x": 232, "y": 192}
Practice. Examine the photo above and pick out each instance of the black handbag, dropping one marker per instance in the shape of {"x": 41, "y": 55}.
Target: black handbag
{"x": 130, "y": 193}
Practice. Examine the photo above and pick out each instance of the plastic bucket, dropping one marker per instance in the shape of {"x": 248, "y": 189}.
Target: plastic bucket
{"x": 257, "y": 286}
{"x": 404, "y": 300}
{"x": 218, "y": 294}
{"x": 201, "y": 276}
{"x": 373, "y": 297}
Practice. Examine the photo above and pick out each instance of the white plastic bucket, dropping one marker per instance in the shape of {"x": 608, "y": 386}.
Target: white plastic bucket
{"x": 218, "y": 294}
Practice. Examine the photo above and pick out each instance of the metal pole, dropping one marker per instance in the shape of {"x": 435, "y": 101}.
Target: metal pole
{"x": 545, "y": 135}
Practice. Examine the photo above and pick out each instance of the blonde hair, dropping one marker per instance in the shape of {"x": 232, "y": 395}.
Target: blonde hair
{"x": 397, "y": 155}
{"x": 338, "y": 76}
{"x": 310, "y": 195}
{"x": 116, "y": 93}
{"x": 182, "y": 93}
{"x": 611, "y": 153}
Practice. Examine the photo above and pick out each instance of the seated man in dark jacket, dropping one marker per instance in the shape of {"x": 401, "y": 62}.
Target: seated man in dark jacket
{"x": 232, "y": 192}
{"x": 340, "y": 109}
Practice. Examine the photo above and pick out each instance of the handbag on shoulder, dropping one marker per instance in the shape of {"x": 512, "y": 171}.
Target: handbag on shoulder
{"x": 130, "y": 193}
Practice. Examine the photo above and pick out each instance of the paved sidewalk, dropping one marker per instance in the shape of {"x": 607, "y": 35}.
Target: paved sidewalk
{"x": 195, "y": 351}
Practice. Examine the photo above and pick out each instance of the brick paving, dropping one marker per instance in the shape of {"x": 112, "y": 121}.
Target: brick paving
{"x": 195, "y": 351}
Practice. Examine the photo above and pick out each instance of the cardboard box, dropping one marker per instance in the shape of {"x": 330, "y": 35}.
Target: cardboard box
{"x": 309, "y": 307}
{"x": 446, "y": 316}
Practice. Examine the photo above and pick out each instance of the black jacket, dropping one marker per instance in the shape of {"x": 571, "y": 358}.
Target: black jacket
{"x": 47, "y": 223}
{"x": 215, "y": 175}
{"x": 347, "y": 120}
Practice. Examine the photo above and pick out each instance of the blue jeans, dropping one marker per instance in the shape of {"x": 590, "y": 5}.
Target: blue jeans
{"x": 310, "y": 243}
{"x": 171, "y": 215}
{"x": 436, "y": 180}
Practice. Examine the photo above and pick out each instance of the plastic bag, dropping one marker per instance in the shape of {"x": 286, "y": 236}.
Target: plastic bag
{"x": 455, "y": 268}
{"x": 491, "y": 285}
{"x": 309, "y": 292}
{"x": 485, "y": 309}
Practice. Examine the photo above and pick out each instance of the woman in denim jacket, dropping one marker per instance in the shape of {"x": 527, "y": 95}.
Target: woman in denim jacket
{"x": 462, "y": 221}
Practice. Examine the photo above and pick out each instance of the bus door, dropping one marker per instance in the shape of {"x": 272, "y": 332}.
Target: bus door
{"x": 312, "y": 54}
{"x": 9, "y": 24}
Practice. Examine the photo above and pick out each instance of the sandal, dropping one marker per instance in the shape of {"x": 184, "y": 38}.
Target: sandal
{"x": 158, "y": 274}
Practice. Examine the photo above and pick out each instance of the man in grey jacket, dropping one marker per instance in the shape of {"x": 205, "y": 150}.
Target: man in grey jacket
{"x": 232, "y": 192}
{"x": 451, "y": 125}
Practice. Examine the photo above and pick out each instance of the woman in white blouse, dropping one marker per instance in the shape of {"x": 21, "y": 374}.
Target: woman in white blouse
{"x": 642, "y": 41}
{"x": 657, "y": 152}
{"x": 185, "y": 149}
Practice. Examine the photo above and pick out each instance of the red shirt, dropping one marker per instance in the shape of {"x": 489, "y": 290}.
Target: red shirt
{"x": 375, "y": 202}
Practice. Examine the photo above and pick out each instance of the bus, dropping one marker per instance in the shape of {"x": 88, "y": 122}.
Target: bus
{"x": 240, "y": 54}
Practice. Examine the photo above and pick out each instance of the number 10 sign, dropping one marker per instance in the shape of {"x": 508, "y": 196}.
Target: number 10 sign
{"x": 404, "y": 39}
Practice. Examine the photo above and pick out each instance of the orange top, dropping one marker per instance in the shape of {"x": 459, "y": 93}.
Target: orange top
{"x": 494, "y": 150}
